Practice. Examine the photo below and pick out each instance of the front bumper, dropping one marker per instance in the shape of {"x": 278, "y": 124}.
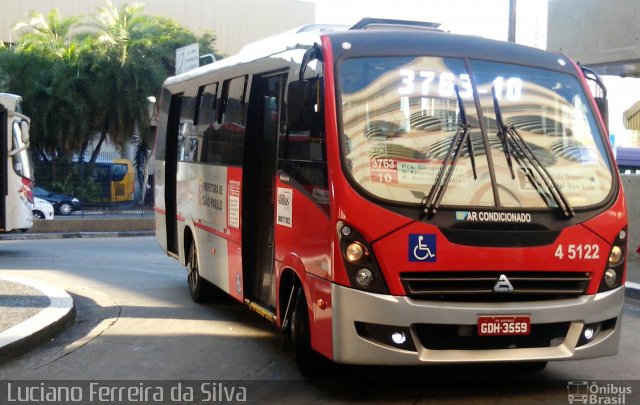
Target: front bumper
{"x": 353, "y": 307}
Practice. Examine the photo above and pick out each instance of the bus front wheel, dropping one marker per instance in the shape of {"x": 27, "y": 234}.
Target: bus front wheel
{"x": 310, "y": 363}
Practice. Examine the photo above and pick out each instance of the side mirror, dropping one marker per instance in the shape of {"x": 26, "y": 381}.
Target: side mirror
{"x": 599, "y": 91}
{"x": 24, "y": 126}
{"x": 603, "y": 107}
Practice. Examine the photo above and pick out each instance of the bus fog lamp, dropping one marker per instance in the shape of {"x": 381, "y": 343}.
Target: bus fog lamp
{"x": 615, "y": 257}
{"x": 610, "y": 278}
{"x": 398, "y": 338}
{"x": 364, "y": 277}
{"x": 622, "y": 235}
{"x": 354, "y": 252}
{"x": 588, "y": 333}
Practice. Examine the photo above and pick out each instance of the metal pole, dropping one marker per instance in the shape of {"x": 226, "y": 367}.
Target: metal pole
{"x": 512, "y": 21}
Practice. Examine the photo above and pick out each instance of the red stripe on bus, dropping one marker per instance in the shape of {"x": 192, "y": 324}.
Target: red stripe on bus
{"x": 180, "y": 218}
{"x": 211, "y": 230}
{"x": 160, "y": 210}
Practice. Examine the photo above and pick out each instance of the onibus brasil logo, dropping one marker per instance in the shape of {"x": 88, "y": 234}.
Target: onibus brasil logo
{"x": 584, "y": 392}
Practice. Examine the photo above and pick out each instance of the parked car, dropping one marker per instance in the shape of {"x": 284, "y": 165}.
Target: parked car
{"x": 62, "y": 204}
{"x": 42, "y": 209}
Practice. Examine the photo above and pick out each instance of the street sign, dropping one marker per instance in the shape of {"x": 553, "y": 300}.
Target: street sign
{"x": 187, "y": 58}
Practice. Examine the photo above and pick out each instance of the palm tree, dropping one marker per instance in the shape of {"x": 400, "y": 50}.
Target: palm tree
{"x": 44, "y": 69}
{"x": 120, "y": 30}
{"x": 79, "y": 80}
{"x": 123, "y": 75}
{"x": 49, "y": 36}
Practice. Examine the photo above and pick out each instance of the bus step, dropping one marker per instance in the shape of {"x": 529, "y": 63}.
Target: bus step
{"x": 262, "y": 311}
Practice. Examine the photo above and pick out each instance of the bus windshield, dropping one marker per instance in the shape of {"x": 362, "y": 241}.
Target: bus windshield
{"x": 399, "y": 116}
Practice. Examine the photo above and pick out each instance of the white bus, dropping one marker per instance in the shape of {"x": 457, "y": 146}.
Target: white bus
{"x": 16, "y": 170}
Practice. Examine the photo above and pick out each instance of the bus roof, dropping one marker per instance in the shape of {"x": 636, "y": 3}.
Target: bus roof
{"x": 433, "y": 42}
{"x": 387, "y": 37}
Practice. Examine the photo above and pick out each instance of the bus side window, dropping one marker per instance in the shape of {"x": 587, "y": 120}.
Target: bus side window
{"x": 206, "y": 112}
{"x": 186, "y": 132}
{"x": 224, "y": 143}
{"x": 188, "y": 149}
{"x": 303, "y": 151}
{"x": 188, "y": 111}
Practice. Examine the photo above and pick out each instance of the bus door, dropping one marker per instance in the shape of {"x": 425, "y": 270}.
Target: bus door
{"x": 170, "y": 177}
{"x": 3, "y": 165}
{"x": 258, "y": 187}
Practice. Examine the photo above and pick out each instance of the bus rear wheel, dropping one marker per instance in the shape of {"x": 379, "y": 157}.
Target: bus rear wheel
{"x": 199, "y": 288}
{"x": 310, "y": 363}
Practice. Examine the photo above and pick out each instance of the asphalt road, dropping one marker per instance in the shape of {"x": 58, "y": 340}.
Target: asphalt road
{"x": 137, "y": 322}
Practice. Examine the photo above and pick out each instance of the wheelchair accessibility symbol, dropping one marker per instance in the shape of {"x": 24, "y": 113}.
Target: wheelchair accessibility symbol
{"x": 422, "y": 247}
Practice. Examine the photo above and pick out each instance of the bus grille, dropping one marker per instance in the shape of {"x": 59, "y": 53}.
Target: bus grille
{"x": 479, "y": 286}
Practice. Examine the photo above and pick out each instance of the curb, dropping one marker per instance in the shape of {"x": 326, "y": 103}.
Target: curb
{"x": 632, "y": 290}
{"x": 59, "y": 315}
{"x": 74, "y": 235}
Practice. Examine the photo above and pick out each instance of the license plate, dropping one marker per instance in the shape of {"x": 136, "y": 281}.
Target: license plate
{"x": 504, "y": 325}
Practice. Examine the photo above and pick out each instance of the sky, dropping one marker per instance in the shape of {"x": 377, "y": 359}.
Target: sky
{"x": 487, "y": 18}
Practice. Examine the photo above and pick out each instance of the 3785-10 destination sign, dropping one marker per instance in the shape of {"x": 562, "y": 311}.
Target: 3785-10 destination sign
{"x": 430, "y": 83}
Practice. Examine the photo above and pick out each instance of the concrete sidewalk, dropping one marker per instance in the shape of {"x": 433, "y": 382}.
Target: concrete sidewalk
{"x": 32, "y": 313}
{"x": 75, "y": 226}
{"x": 633, "y": 275}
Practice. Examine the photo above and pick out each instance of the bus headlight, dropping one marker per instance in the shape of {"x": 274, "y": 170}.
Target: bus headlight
{"x": 354, "y": 252}
{"x": 616, "y": 256}
{"x": 359, "y": 261}
{"x": 610, "y": 278}
{"x": 364, "y": 277}
{"x": 613, "y": 274}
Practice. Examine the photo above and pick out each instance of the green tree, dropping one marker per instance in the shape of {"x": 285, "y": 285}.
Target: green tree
{"x": 49, "y": 36}
{"x": 124, "y": 74}
{"x": 43, "y": 68}
{"x": 169, "y": 35}
{"x": 82, "y": 79}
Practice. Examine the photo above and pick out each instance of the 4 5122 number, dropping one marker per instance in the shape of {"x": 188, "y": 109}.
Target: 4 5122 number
{"x": 578, "y": 252}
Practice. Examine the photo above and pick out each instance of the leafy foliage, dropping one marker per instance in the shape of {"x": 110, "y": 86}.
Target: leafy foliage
{"x": 81, "y": 78}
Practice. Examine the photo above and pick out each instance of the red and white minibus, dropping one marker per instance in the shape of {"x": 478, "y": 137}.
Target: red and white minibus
{"x": 16, "y": 170}
{"x": 391, "y": 194}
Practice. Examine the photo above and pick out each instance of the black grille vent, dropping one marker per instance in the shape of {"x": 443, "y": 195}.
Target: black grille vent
{"x": 478, "y": 286}
{"x": 458, "y": 337}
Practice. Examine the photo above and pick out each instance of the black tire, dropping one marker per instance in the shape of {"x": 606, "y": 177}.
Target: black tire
{"x": 38, "y": 214}
{"x": 310, "y": 363}
{"x": 200, "y": 289}
{"x": 65, "y": 208}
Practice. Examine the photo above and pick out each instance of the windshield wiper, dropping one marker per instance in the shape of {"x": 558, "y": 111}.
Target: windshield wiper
{"x": 512, "y": 142}
{"x": 502, "y": 132}
{"x": 462, "y": 137}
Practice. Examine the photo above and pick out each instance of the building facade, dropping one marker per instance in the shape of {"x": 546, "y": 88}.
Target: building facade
{"x": 601, "y": 34}
{"x": 235, "y": 22}
{"x": 604, "y": 36}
